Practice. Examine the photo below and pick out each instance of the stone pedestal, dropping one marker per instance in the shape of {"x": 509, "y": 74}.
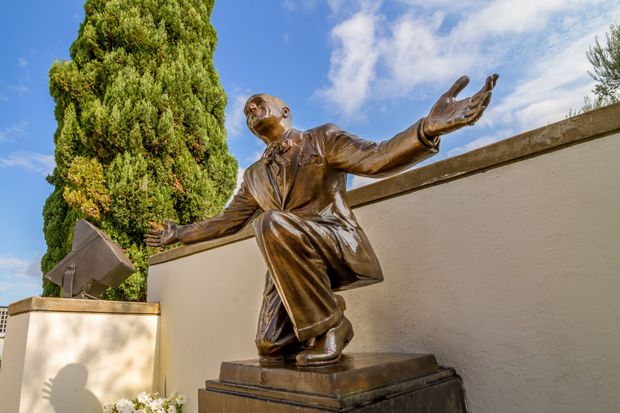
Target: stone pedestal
{"x": 368, "y": 383}
{"x": 71, "y": 356}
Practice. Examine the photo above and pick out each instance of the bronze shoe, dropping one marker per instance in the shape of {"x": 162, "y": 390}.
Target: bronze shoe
{"x": 328, "y": 346}
{"x": 276, "y": 360}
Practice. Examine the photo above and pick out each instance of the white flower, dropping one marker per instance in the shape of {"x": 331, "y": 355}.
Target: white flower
{"x": 156, "y": 404}
{"x": 125, "y": 406}
{"x": 144, "y": 397}
{"x": 108, "y": 407}
{"x": 180, "y": 398}
{"x": 150, "y": 402}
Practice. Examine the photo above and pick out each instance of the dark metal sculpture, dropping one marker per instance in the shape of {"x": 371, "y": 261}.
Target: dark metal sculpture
{"x": 94, "y": 264}
{"x": 309, "y": 237}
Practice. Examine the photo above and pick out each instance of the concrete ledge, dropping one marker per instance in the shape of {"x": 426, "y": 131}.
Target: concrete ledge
{"x": 575, "y": 130}
{"x": 70, "y": 305}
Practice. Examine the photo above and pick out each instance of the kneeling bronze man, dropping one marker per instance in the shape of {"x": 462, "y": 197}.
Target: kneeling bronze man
{"x": 308, "y": 235}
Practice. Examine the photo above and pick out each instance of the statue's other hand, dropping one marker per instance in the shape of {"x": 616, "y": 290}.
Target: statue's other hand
{"x": 449, "y": 114}
{"x": 161, "y": 234}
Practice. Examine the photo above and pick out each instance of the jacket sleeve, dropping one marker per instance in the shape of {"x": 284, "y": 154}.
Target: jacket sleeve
{"x": 348, "y": 153}
{"x": 229, "y": 221}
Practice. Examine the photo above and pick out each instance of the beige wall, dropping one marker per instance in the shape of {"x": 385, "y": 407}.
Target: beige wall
{"x": 510, "y": 275}
{"x": 210, "y": 303}
{"x": 69, "y": 362}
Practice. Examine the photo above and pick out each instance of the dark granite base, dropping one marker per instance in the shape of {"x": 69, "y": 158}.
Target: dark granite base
{"x": 368, "y": 383}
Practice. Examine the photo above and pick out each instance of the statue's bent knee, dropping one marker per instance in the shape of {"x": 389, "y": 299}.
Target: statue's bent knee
{"x": 273, "y": 221}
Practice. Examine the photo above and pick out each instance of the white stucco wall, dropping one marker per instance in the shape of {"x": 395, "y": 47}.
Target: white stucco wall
{"x": 68, "y": 362}
{"x": 512, "y": 276}
{"x": 210, "y": 303}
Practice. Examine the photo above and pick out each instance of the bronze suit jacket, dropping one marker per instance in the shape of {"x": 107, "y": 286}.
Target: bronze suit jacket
{"x": 314, "y": 189}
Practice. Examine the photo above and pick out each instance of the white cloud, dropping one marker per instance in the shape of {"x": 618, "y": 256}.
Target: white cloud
{"x": 415, "y": 54}
{"x": 352, "y": 62}
{"x": 540, "y": 42}
{"x": 475, "y": 144}
{"x": 20, "y": 89}
{"x": 256, "y": 155}
{"x": 335, "y": 5}
{"x": 294, "y": 6}
{"x": 553, "y": 83}
{"x": 359, "y": 181}
{"x": 18, "y": 267}
{"x": 41, "y": 163}
{"x": 240, "y": 173}
{"x": 22, "y": 62}
{"x": 10, "y": 133}
{"x": 454, "y": 6}
{"x": 235, "y": 118}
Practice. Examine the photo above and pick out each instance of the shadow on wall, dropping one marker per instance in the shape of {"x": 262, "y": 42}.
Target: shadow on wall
{"x": 67, "y": 392}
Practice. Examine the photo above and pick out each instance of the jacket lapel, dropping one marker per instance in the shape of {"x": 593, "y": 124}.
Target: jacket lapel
{"x": 262, "y": 185}
{"x": 293, "y": 167}
{"x": 272, "y": 182}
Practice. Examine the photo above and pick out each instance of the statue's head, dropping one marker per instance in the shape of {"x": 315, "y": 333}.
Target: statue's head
{"x": 267, "y": 116}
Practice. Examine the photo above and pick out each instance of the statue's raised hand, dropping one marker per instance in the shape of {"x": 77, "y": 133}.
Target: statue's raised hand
{"x": 449, "y": 114}
{"x": 159, "y": 235}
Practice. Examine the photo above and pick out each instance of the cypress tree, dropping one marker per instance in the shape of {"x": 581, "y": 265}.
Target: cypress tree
{"x": 140, "y": 135}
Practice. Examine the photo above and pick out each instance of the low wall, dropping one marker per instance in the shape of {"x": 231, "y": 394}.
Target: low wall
{"x": 71, "y": 356}
{"x": 503, "y": 262}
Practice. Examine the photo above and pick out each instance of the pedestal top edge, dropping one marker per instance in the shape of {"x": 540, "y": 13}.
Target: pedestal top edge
{"x": 355, "y": 372}
{"x": 73, "y": 305}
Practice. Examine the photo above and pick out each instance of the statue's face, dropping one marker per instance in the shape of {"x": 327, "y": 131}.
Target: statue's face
{"x": 265, "y": 115}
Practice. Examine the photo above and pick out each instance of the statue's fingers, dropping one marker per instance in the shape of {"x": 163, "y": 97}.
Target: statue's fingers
{"x": 487, "y": 99}
{"x": 483, "y": 93}
{"x": 471, "y": 112}
{"x": 481, "y": 105}
{"x": 489, "y": 84}
{"x": 471, "y": 120}
{"x": 474, "y": 114}
{"x": 491, "y": 81}
{"x": 482, "y": 98}
{"x": 153, "y": 242}
{"x": 154, "y": 229}
{"x": 456, "y": 88}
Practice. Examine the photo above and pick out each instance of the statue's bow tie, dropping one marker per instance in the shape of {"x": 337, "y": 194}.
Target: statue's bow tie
{"x": 274, "y": 151}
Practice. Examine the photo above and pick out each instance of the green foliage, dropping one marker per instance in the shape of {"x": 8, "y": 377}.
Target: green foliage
{"x": 605, "y": 60}
{"x": 140, "y": 135}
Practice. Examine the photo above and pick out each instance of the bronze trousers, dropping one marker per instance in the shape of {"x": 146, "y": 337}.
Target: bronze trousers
{"x": 302, "y": 256}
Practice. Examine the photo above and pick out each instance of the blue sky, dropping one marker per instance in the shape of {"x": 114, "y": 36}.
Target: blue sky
{"x": 372, "y": 67}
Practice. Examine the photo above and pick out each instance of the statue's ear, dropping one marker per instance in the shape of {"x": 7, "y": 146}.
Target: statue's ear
{"x": 286, "y": 112}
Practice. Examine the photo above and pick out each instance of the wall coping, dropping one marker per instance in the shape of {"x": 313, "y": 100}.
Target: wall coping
{"x": 72, "y": 305}
{"x": 575, "y": 130}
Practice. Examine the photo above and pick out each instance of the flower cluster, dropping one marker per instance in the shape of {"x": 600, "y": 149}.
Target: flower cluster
{"x": 148, "y": 403}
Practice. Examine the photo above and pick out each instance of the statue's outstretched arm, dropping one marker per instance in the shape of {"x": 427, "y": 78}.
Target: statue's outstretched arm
{"x": 351, "y": 154}
{"x": 229, "y": 221}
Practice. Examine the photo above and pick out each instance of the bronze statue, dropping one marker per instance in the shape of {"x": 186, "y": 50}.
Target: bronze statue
{"x": 309, "y": 237}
